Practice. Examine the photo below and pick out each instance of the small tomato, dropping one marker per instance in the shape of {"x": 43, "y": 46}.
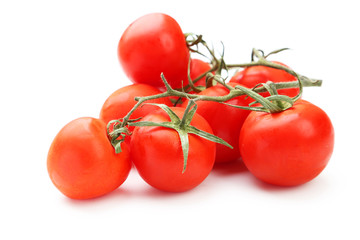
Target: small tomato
{"x": 157, "y": 153}
{"x": 151, "y": 45}
{"x": 287, "y": 148}
{"x": 120, "y": 102}
{"x": 82, "y": 163}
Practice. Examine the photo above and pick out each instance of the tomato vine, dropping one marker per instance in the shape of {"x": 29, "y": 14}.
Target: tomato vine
{"x": 271, "y": 104}
{"x": 181, "y": 115}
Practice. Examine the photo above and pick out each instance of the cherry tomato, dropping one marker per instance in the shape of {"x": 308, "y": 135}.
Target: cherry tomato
{"x": 287, "y": 148}
{"x": 225, "y": 121}
{"x": 120, "y": 102}
{"x": 82, "y": 163}
{"x": 151, "y": 45}
{"x": 157, "y": 154}
{"x": 251, "y": 76}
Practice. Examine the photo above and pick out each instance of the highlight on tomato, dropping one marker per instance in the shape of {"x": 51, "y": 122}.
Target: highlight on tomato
{"x": 151, "y": 45}
{"x": 82, "y": 163}
{"x": 287, "y": 148}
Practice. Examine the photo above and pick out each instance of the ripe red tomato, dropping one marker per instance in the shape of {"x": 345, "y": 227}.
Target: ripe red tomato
{"x": 120, "y": 102}
{"x": 151, "y": 45}
{"x": 197, "y": 68}
{"x": 82, "y": 163}
{"x": 226, "y": 121}
{"x": 251, "y": 76}
{"x": 157, "y": 154}
{"x": 287, "y": 148}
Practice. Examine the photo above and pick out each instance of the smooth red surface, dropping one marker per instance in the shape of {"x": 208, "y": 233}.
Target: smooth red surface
{"x": 151, "y": 45}
{"x": 82, "y": 163}
{"x": 120, "y": 102}
{"x": 197, "y": 68}
{"x": 287, "y": 148}
{"x": 157, "y": 154}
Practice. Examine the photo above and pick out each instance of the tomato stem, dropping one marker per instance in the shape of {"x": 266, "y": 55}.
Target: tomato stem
{"x": 234, "y": 92}
{"x": 219, "y": 63}
{"x": 191, "y": 83}
{"x": 274, "y": 103}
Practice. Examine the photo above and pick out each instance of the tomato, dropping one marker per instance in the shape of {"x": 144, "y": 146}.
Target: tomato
{"x": 153, "y": 44}
{"x": 120, "y": 102}
{"x": 82, "y": 163}
{"x": 197, "y": 68}
{"x": 225, "y": 121}
{"x": 287, "y": 148}
{"x": 251, "y": 76}
{"x": 158, "y": 156}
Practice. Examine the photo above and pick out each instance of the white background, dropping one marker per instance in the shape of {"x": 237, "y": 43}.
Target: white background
{"x": 58, "y": 62}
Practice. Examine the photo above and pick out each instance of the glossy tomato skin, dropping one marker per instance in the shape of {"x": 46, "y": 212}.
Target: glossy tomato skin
{"x": 120, "y": 102}
{"x": 251, "y": 76}
{"x": 81, "y": 162}
{"x": 225, "y": 121}
{"x": 157, "y": 154}
{"x": 287, "y": 148}
{"x": 153, "y": 44}
{"x": 197, "y": 68}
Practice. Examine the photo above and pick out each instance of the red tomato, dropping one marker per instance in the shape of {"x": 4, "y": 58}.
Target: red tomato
{"x": 151, "y": 45}
{"x": 252, "y": 76}
{"x": 82, "y": 163}
{"x": 226, "y": 121}
{"x": 119, "y": 103}
{"x": 287, "y": 148}
{"x": 158, "y": 156}
{"x": 197, "y": 68}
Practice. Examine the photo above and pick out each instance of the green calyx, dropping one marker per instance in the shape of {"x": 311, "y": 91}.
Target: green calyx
{"x": 183, "y": 128}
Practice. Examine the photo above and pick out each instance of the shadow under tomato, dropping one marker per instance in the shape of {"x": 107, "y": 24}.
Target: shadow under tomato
{"x": 116, "y": 194}
{"x": 156, "y": 193}
{"x": 229, "y": 168}
{"x": 275, "y": 188}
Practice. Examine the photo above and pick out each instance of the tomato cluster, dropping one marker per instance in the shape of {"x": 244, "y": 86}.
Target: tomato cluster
{"x": 171, "y": 143}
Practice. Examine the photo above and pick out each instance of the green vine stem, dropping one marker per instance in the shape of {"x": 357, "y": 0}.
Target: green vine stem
{"x": 182, "y": 126}
{"x": 234, "y": 92}
{"x": 273, "y": 103}
{"x": 219, "y": 64}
